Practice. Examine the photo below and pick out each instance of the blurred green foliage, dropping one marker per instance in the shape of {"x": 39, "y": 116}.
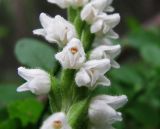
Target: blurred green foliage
{"x": 17, "y": 111}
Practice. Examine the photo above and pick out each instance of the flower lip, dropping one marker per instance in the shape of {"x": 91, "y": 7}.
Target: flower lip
{"x": 72, "y": 56}
{"x": 57, "y": 124}
{"x": 74, "y": 50}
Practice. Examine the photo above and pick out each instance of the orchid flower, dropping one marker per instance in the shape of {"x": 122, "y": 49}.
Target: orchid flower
{"x": 105, "y": 23}
{"x": 107, "y": 51}
{"x": 38, "y": 81}
{"x": 92, "y": 74}
{"x": 93, "y": 8}
{"x": 56, "y": 30}
{"x": 72, "y": 56}
{"x": 102, "y": 111}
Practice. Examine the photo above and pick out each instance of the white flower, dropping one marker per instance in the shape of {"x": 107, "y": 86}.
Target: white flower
{"x": 93, "y": 8}
{"x": 67, "y": 3}
{"x": 105, "y": 23}
{"x": 92, "y": 74}
{"x": 38, "y": 81}
{"x": 72, "y": 56}
{"x": 78, "y": 3}
{"x": 56, "y": 30}
{"x": 56, "y": 121}
{"x": 102, "y": 111}
{"x": 61, "y": 3}
{"x": 101, "y": 41}
{"x": 107, "y": 51}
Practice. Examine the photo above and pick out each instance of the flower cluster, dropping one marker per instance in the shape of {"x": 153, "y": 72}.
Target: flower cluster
{"x": 89, "y": 65}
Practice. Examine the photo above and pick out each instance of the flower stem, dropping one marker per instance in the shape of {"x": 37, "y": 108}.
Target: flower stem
{"x": 87, "y": 38}
{"x": 67, "y": 78}
{"x": 79, "y": 24}
{"x": 71, "y": 14}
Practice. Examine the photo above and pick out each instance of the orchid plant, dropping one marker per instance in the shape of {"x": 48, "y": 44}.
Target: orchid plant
{"x": 86, "y": 54}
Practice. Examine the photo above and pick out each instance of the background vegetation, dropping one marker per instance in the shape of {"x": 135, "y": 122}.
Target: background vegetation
{"x": 138, "y": 77}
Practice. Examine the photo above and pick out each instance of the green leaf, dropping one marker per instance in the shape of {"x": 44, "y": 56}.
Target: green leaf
{"x": 144, "y": 114}
{"x": 35, "y": 53}
{"x": 8, "y": 94}
{"x": 139, "y": 38}
{"x": 10, "y": 124}
{"x": 127, "y": 75}
{"x": 151, "y": 53}
{"x": 27, "y": 111}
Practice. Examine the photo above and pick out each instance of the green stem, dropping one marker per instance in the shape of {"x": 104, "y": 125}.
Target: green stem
{"x": 71, "y": 14}
{"x": 87, "y": 38}
{"x": 79, "y": 24}
{"x": 55, "y": 97}
{"x": 67, "y": 78}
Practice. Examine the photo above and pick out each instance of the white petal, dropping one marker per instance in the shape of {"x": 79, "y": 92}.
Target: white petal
{"x": 109, "y": 9}
{"x": 114, "y": 101}
{"x": 112, "y": 34}
{"x": 45, "y": 20}
{"x": 102, "y": 65}
{"x": 101, "y": 113}
{"x": 38, "y": 81}
{"x": 29, "y": 74}
{"x": 60, "y": 57}
{"x": 100, "y": 4}
{"x": 78, "y": 3}
{"x": 103, "y": 81}
{"x": 101, "y": 40}
{"x": 40, "y": 32}
{"x": 111, "y": 51}
{"x": 115, "y": 64}
{"x": 112, "y": 20}
{"x": 23, "y": 88}
{"x": 51, "y": 39}
{"x": 97, "y": 26}
{"x": 40, "y": 85}
{"x": 82, "y": 78}
{"x": 87, "y": 13}
{"x": 61, "y": 3}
